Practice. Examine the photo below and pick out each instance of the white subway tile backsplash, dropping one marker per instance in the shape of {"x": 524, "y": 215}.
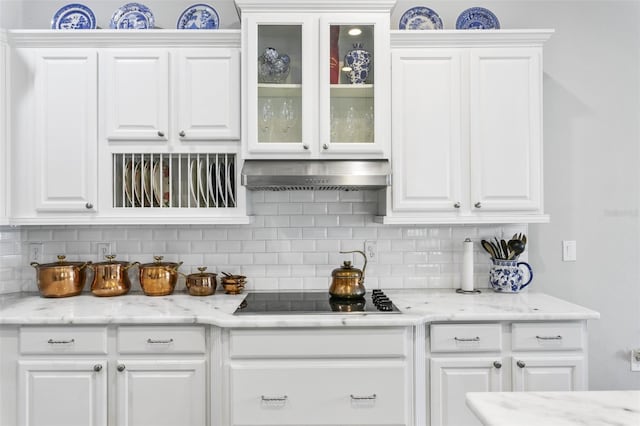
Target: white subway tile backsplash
{"x": 292, "y": 242}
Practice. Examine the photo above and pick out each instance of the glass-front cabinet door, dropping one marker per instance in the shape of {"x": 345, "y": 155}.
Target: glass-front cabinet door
{"x": 354, "y": 85}
{"x": 317, "y": 85}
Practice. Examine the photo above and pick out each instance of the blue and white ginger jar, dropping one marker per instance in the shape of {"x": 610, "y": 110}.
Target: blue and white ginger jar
{"x": 358, "y": 61}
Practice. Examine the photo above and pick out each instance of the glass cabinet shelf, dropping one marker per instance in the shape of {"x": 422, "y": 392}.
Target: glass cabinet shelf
{"x": 279, "y": 90}
{"x": 351, "y": 91}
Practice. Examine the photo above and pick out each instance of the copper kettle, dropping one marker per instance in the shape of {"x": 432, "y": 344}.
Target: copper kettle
{"x": 348, "y": 282}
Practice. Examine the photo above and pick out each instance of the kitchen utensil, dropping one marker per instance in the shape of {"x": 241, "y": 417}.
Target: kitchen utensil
{"x": 505, "y": 249}
{"x": 506, "y": 276}
{"x": 61, "y": 278}
{"x": 348, "y": 282}
{"x": 488, "y": 247}
{"x": 516, "y": 247}
{"x": 159, "y": 278}
{"x": 499, "y": 249}
{"x": 111, "y": 278}
{"x": 201, "y": 283}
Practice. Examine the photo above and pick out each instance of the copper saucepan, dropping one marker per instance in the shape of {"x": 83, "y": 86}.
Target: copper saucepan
{"x": 61, "y": 278}
{"x": 111, "y": 278}
{"x": 159, "y": 278}
{"x": 201, "y": 283}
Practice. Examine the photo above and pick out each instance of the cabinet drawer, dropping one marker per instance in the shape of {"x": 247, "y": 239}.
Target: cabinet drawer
{"x": 144, "y": 340}
{"x": 317, "y": 343}
{"x": 466, "y": 337}
{"x": 547, "y": 336}
{"x": 302, "y": 393}
{"x": 63, "y": 340}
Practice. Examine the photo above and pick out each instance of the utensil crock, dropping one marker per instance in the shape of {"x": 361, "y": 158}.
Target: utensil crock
{"x": 508, "y": 276}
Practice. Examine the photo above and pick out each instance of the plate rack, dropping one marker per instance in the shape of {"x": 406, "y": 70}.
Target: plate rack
{"x": 176, "y": 180}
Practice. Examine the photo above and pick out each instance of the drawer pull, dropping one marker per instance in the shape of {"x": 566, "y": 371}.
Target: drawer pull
{"x": 497, "y": 364}
{"x": 121, "y": 367}
{"x": 282, "y": 398}
{"x": 521, "y": 364}
{"x": 558, "y": 337}
{"x": 61, "y": 342}
{"x": 363, "y": 398}
{"x": 467, "y": 339}
{"x": 159, "y": 342}
{"x": 97, "y": 368}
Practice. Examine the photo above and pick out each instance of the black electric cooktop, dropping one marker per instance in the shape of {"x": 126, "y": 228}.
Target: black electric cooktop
{"x": 299, "y": 303}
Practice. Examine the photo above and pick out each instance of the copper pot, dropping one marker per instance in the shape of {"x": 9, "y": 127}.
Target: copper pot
{"x": 348, "y": 282}
{"x": 159, "y": 278}
{"x": 202, "y": 283}
{"x": 61, "y": 278}
{"x": 111, "y": 278}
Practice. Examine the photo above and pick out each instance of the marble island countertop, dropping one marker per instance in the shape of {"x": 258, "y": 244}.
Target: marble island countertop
{"x": 593, "y": 408}
{"x": 417, "y": 306}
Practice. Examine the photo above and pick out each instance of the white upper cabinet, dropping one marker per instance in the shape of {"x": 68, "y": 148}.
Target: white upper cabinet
{"x": 4, "y": 147}
{"x": 136, "y": 90}
{"x": 126, "y": 127}
{"x": 467, "y": 127}
{"x": 316, "y": 79}
{"x": 54, "y": 94}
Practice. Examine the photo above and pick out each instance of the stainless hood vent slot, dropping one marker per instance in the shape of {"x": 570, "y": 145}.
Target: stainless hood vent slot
{"x": 300, "y": 175}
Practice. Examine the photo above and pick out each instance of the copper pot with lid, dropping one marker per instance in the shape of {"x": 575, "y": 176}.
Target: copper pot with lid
{"x": 201, "y": 283}
{"x": 159, "y": 278}
{"x": 111, "y": 278}
{"x": 61, "y": 278}
{"x": 348, "y": 282}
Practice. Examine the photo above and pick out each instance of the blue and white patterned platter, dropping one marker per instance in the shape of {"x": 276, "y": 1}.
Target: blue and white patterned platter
{"x": 477, "y": 18}
{"x": 132, "y": 16}
{"x": 74, "y": 16}
{"x": 420, "y": 18}
{"x": 198, "y": 17}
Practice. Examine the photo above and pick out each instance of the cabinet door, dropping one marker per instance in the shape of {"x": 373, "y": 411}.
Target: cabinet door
{"x": 136, "y": 93}
{"x": 548, "y": 374}
{"x": 161, "y": 393}
{"x": 69, "y": 393}
{"x": 66, "y": 130}
{"x": 4, "y": 152}
{"x": 451, "y": 378}
{"x": 208, "y": 85}
{"x": 426, "y": 122}
{"x": 281, "y": 106}
{"x": 505, "y": 128}
{"x": 355, "y": 84}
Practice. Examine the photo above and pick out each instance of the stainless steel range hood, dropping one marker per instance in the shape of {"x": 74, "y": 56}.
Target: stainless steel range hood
{"x": 287, "y": 175}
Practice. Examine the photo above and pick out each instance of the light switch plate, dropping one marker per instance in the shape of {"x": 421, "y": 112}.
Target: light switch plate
{"x": 103, "y": 250}
{"x": 371, "y": 249}
{"x": 35, "y": 252}
{"x": 569, "y": 251}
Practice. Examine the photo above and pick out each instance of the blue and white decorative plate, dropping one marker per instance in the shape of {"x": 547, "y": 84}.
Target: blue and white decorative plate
{"x": 198, "y": 17}
{"x": 132, "y": 16}
{"x": 477, "y": 18}
{"x": 420, "y": 18}
{"x": 74, "y": 16}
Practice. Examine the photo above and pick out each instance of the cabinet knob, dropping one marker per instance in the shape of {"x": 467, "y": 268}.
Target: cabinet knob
{"x": 521, "y": 364}
{"x": 89, "y": 206}
{"x": 97, "y": 367}
{"x": 121, "y": 367}
{"x": 477, "y": 205}
{"x": 161, "y": 134}
{"x": 182, "y": 133}
{"x": 497, "y": 364}
{"x": 325, "y": 146}
{"x": 305, "y": 146}
{"x": 457, "y": 205}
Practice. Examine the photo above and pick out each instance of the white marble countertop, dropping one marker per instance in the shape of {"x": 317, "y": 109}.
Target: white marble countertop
{"x": 417, "y": 306}
{"x": 592, "y": 408}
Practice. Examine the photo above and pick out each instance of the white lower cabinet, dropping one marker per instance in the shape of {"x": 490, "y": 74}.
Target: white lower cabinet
{"x": 494, "y": 357}
{"x": 355, "y": 379}
{"x": 161, "y": 392}
{"x": 99, "y": 376}
{"x": 70, "y": 392}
